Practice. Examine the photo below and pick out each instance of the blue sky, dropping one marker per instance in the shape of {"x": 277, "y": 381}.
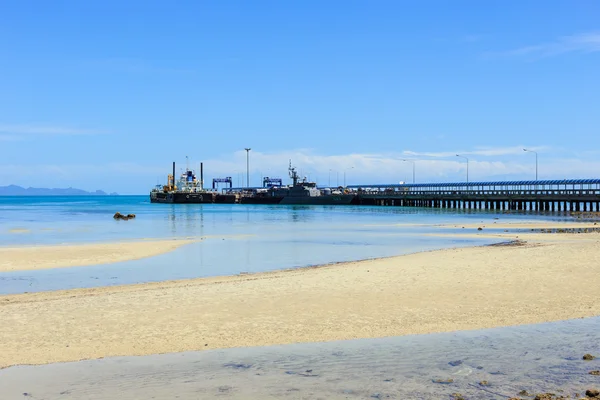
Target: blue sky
{"x": 106, "y": 94}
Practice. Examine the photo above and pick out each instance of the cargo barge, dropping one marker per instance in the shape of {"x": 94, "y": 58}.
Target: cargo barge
{"x": 188, "y": 189}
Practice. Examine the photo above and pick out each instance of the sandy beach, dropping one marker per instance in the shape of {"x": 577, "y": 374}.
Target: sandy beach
{"x": 77, "y": 255}
{"x": 550, "y": 277}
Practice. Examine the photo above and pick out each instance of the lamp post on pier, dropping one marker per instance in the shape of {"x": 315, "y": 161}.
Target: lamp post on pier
{"x": 247, "y": 166}
{"x": 413, "y": 163}
{"x": 458, "y": 155}
{"x": 536, "y": 161}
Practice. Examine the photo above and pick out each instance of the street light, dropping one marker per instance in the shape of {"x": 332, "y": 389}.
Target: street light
{"x": 536, "y": 162}
{"x": 458, "y": 155}
{"x": 413, "y": 163}
{"x": 247, "y": 166}
{"x": 345, "y": 175}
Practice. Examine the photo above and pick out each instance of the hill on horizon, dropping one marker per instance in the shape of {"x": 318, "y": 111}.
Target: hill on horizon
{"x": 14, "y": 190}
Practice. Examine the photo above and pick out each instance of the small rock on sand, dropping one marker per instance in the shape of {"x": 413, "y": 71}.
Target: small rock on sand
{"x": 588, "y": 357}
{"x": 597, "y": 373}
{"x": 549, "y": 396}
{"x": 118, "y": 215}
{"x": 592, "y": 393}
{"x": 443, "y": 381}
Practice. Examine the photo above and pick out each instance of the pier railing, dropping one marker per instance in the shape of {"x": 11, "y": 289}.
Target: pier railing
{"x": 551, "y": 195}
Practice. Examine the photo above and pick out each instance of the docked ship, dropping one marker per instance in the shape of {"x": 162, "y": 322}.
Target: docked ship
{"x": 188, "y": 189}
{"x": 300, "y": 192}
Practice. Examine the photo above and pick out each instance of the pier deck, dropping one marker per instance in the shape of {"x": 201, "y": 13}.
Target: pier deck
{"x": 550, "y": 195}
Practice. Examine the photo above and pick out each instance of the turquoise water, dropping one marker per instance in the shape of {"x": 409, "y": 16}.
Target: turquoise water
{"x": 239, "y": 238}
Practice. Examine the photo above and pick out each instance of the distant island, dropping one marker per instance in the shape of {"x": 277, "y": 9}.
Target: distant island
{"x": 14, "y": 190}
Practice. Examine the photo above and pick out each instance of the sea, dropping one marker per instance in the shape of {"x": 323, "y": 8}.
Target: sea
{"x": 486, "y": 364}
{"x": 236, "y": 238}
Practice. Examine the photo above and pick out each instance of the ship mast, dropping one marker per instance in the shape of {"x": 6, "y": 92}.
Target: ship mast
{"x": 293, "y": 173}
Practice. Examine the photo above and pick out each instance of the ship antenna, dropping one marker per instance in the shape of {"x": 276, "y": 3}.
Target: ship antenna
{"x": 293, "y": 173}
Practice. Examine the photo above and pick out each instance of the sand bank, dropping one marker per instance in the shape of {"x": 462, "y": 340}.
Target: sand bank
{"x": 499, "y": 223}
{"x": 19, "y": 230}
{"x": 525, "y": 225}
{"x": 44, "y": 257}
{"x": 437, "y": 291}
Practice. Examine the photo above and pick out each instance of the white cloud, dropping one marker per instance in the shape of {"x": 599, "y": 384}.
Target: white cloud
{"x": 360, "y": 168}
{"x": 581, "y": 43}
{"x": 31, "y": 129}
{"x": 481, "y": 151}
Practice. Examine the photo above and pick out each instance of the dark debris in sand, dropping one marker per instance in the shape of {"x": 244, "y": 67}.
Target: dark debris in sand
{"x": 589, "y": 394}
{"x": 566, "y": 230}
{"x": 512, "y": 243}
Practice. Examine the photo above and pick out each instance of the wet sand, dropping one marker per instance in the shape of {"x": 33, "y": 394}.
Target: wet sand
{"x": 535, "y": 358}
{"x": 60, "y": 256}
{"x": 551, "y": 277}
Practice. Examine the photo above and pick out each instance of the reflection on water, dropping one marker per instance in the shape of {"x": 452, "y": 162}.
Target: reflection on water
{"x": 268, "y": 237}
{"x": 535, "y": 358}
{"x": 220, "y": 256}
{"x": 60, "y": 219}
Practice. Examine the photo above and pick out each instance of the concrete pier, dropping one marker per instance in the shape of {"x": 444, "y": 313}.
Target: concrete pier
{"x": 576, "y": 195}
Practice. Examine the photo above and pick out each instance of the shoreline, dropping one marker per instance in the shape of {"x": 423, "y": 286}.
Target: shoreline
{"x": 67, "y": 255}
{"x": 468, "y": 288}
{"x": 28, "y": 258}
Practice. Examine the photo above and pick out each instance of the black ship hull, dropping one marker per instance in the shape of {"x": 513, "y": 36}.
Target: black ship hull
{"x": 182, "y": 198}
{"x": 209, "y": 198}
{"x": 261, "y": 200}
{"x": 325, "y": 200}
